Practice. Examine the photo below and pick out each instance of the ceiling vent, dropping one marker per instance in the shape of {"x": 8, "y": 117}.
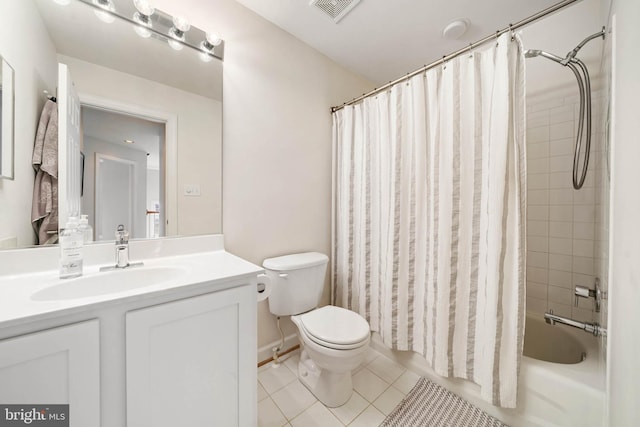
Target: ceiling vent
{"x": 335, "y": 9}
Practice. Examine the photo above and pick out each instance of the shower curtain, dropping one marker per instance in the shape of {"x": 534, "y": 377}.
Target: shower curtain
{"x": 429, "y": 216}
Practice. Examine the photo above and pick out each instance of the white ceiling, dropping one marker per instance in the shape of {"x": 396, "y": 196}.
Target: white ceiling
{"x": 383, "y": 40}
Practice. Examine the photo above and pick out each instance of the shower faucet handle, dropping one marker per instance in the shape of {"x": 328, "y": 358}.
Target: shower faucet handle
{"x": 595, "y": 293}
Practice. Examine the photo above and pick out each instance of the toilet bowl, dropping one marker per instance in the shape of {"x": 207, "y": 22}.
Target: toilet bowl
{"x": 334, "y": 340}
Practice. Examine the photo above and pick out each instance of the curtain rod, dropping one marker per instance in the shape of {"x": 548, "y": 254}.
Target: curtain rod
{"x": 511, "y": 27}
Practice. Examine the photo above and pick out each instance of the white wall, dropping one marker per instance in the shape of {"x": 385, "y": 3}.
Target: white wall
{"x": 624, "y": 292}
{"x": 199, "y": 144}
{"x": 276, "y": 136}
{"x": 35, "y": 70}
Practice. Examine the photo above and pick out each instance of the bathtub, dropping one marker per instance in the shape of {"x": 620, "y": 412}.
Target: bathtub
{"x": 567, "y": 392}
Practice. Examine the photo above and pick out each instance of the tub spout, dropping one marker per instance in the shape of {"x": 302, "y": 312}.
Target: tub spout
{"x": 593, "y": 328}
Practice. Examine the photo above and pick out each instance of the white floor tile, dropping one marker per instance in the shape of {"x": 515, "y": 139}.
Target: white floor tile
{"x": 262, "y": 393}
{"x": 370, "y": 356}
{"x": 386, "y": 369}
{"x": 269, "y": 415}
{"x": 316, "y": 416}
{"x": 273, "y": 379}
{"x": 406, "y": 381}
{"x": 368, "y": 384}
{"x": 292, "y": 361}
{"x": 293, "y": 399}
{"x": 388, "y": 400}
{"x": 350, "y": 410}
{"x": 371, "y": 417}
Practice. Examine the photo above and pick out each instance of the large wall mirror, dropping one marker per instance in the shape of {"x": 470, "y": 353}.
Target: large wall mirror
{"x": 6, "y": 119}
{"x": 150, "y": 123}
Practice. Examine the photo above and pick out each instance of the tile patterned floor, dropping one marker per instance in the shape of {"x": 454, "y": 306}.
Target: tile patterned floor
{"x": 379, "y": 385}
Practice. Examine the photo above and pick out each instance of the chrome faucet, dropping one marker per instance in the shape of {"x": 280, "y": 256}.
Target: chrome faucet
{"x": 593, "y": 328}
{"x": 122, "y": 247}
{"x": 122, "y": 252}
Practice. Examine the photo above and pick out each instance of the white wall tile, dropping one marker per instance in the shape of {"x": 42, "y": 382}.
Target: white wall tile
{"x": 582, "y": 280}
{"x": 561, "y": 262}
{"x": 560, "y": 278}
{"x": 561, "y": 164}
{"x": 584, "y": 214}
{"x": 584, "y": 196}
{"x": 538, "y": 197}
{"x": 538, "y": 134}
{"x": 538, "y": 259}
{"x": 584, "y": 230}
{"x": 560, "y": 197}
{"x": 538, "y": 275}
{"x": 538, "y": 228}
{"x": 539, "y": 150}
{"x": 538, "y": 244}
{"x": 537, "y": 290}
{"x": 538, "y": 181}
{"x": 544, "y": 105}
{"x": 583, "y": 265}
{"x": 536, "y": 305}
{"x": 561, "y": 147}
{"x": 563, "y": 310}
{"x": 561, "y": 229}
{"x": 581, "y": 247}
{"x": 561, "y": 114}
{"x": 583, "y": 315}
{"x": 538, "y": 165}
{"x": 560, "y": 180}
{"x": 537, "y": 118}
{"x": 560, "y": 246}
{"x": 539, "y": 213}
{"x": 561, "y": 130}
{"x": 560, "y": 213}
{"x": 560, "y": 295}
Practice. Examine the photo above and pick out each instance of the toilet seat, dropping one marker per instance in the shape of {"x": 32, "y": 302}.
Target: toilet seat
{"x": 335, "y": 327}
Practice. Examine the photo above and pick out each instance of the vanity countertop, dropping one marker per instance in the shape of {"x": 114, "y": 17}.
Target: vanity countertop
{"x": 21, "y": 301}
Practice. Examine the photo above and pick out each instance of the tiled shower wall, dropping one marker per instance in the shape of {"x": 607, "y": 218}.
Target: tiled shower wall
{"x": 561, "y": 237}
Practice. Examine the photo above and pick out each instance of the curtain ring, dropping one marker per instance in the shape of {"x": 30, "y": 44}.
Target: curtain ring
{"x": 444, "y": 62}
{"x": 497, "y": 35}
{"x": 470, "y": 53}
{"x": 513, "y": 35}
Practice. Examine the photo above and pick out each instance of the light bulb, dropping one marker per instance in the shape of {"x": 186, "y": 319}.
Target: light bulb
{"x": 176, "y": 36}
{"x": 144, "y": 7}
{"x": 213, "y": 39}
{"x": 105, "y": 14}
{"x": 205, "y": 57}
{"x": 143, "y": 23}
{"x": 181, "y": 23}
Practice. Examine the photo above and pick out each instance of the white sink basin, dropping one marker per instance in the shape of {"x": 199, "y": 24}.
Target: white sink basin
{"x": 108, "y": 282}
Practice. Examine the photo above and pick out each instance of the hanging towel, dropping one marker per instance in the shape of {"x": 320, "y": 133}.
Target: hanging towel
{"x": 44, "y": 208}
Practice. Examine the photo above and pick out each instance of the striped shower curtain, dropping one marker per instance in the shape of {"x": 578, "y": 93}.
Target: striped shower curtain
{"x": 429, "y": 216}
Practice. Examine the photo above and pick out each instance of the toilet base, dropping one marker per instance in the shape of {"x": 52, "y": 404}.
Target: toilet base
{"x": 330, "y": 388}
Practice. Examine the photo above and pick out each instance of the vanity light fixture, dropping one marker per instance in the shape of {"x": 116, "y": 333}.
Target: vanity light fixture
{"x": 105, "y": 10}
{"x": 180, "y": 26}
{"x": 152, "y": 23}
{"x": 142, "y": 17}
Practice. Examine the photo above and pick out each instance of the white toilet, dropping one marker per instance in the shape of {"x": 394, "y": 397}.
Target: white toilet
{"x": 334, "y": 340}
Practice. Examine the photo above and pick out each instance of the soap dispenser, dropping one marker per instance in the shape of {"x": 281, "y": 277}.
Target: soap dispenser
{"x": 85, "y": 229}
{"x": 70, "y": 250}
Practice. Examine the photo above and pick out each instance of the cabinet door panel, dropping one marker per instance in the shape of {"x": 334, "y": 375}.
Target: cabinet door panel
{"x": 56, "y": 366}
{"x": 184, "y": 361}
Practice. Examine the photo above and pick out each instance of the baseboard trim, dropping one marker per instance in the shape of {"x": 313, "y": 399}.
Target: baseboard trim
{"x": 265, "y": 353}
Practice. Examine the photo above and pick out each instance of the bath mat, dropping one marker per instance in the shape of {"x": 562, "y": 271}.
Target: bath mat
{"x": 428, "y": 404}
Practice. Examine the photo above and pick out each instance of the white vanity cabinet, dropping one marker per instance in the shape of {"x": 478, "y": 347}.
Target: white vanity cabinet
{"x": 191, "y": 362}
{"x": 55, "y": 366}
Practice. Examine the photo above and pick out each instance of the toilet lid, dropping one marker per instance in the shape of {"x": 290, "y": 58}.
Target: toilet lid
{"x": 335, "y": 327}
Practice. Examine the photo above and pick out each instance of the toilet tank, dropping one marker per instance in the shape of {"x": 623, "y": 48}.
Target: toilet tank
{"x": 297, "y": 282}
